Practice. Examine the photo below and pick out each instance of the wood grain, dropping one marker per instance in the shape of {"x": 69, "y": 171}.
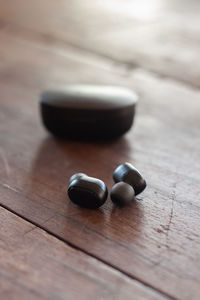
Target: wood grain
{"x": 161, "y": 36}
{"x": 156, "y": 240}
{"x": 35, "y": 265}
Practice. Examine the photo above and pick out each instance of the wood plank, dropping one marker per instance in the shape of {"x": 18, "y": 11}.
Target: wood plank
{"x": 156, "y": 240}
{"x": 161, "y": 36}
{"x": 35, "y": 265}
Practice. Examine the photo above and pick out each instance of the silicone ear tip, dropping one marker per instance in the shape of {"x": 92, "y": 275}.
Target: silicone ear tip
{"x": 122, "y": 194}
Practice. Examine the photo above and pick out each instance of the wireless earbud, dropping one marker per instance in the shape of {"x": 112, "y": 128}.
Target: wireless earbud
{"x": 87, "y": 191}
{"x": 128, "y": 173}
{"x": 129, "y": 182}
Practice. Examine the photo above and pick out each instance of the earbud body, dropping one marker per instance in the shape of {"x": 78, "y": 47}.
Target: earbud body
{"x": 86, "y": 191}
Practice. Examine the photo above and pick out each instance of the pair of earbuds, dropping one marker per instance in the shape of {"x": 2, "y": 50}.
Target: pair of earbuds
{"x": 91, "y": 192}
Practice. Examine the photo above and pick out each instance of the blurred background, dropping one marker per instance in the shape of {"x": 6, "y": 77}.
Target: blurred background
{"x": 160, "y": 36}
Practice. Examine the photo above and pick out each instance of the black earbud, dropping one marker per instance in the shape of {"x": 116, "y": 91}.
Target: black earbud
{"x": 128, "y": 173}
{"x": 129, "y": 182}
{"x": 87, "y": 191}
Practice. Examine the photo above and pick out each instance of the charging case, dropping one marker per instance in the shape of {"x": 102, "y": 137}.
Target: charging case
{"x": 88, "y": 111}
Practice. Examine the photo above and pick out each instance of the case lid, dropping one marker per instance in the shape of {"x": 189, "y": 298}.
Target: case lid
{"x": 90, "y": 97}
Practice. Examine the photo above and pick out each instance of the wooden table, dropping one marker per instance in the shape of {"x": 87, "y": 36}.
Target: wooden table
{"x": 52, "y": 249}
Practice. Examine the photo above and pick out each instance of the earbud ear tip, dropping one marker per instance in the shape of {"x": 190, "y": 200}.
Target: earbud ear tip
{"x": 122, "y": 194}
{"x": 76, "y": 176}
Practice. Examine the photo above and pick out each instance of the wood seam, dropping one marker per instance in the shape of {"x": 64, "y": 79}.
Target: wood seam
{"x": 36, "y": 225}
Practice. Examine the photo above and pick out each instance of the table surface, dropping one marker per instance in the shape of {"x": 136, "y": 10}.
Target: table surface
{"x": 52, "y": 249}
